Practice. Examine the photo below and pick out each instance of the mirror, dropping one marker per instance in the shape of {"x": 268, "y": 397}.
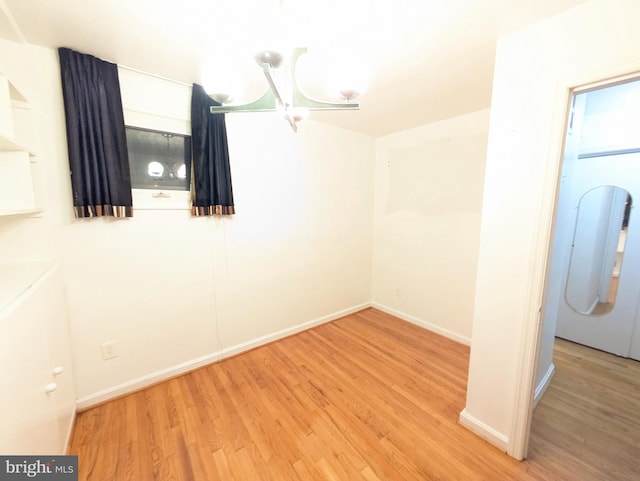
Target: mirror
{"x": 598, "y": 250}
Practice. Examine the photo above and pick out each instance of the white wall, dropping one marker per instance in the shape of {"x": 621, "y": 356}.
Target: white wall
{"x": 174, "y": 292}
{"x": 428, "y": 197}
{"x": 535, "y": 70}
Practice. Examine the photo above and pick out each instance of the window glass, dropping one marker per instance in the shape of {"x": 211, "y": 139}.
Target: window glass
{"x": 157, "y": 159}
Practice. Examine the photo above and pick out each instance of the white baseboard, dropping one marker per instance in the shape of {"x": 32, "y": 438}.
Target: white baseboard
{"x": 422, "y": 323}
{"x": 544, "y": 384}
{"x": 72, "y": 423}
{"x": 128, "y": 387}
{"x": 496, "y": 438}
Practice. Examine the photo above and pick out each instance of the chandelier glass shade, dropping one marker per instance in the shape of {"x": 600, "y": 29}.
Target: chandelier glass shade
{"x": 293, "y": 104}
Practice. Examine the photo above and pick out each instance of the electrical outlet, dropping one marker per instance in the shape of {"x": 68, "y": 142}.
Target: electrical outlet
{"x": 109, "y": 350}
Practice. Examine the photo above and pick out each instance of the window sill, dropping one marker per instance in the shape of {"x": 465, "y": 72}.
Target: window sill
{"x": 148, "y": 199}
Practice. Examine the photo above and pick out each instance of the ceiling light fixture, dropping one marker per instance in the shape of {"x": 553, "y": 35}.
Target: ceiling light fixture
{"x": 295, "y": 107}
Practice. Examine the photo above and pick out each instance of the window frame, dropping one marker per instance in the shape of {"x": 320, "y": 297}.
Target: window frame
{"x": 159, "y": 199}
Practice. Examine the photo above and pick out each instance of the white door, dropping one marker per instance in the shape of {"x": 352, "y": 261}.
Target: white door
{"x": 601, "y": 288}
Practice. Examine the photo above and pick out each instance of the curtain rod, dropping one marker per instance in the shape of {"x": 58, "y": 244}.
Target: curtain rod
{"x": 160, "y": 77}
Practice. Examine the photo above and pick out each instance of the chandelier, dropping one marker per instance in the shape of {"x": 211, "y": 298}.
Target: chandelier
{"x": 294, "y": 105}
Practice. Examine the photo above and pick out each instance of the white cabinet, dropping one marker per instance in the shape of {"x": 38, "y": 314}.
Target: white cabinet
{"x": 19, "y": 169}
{"x": 37, "y": 396}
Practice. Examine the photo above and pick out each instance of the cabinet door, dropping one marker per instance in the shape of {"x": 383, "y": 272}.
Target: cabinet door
{"x": 56, "y": 330}
{"x": 26, "y": 424}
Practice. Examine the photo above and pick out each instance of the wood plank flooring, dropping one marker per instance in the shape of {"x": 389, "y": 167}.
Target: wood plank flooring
{"x": 588, "y": 421}
{"x": 366, "y": 397}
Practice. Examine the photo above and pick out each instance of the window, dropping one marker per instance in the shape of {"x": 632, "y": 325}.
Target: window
{"x": 157, "y": 159}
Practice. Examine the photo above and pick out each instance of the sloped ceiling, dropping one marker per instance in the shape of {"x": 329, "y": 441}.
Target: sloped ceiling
{"x": 425, "y": 60}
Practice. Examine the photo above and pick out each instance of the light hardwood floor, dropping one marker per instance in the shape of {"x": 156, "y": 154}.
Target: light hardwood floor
{"x": 366, "y": 397}
{"x": 588, "y": 421}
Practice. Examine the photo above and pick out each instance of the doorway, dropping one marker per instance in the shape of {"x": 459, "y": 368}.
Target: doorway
{"x": 594, "y": 290}
{"x": 593, "y": 282}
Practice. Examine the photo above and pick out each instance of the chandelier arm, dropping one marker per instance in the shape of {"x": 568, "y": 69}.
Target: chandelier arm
{"x": 266, "y": 68}
{"x": 274, "y": 88}
{"x": 266, "y": 103}
{"x": 291, "y": 122}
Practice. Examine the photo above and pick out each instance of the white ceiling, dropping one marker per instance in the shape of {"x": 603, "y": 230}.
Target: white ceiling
{"x": 426, "y": 60}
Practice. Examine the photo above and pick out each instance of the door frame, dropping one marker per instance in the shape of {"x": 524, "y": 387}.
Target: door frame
{"x": 540, "y": 256}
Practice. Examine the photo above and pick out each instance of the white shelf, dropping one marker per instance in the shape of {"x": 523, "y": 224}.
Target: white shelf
{"x": 10, "y": 145}
{"x": 17, "y": 278}
{"x": 19, "y": 171}
{"x": 7, "y": 144}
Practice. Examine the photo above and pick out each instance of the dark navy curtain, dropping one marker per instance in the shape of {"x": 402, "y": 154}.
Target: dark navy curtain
{"x": 96, "y": 137}
{"x": 211, "y": 192}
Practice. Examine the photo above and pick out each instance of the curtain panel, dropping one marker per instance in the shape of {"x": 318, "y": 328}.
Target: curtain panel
{"x": 96, "y": 137}
{"x": 211, "y": 191}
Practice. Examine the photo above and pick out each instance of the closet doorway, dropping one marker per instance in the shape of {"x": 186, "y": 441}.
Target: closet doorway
{"x": 596, "y": 250}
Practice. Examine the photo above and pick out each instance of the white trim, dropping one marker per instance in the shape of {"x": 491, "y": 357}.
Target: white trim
{"x": 72, "y": 423}
{"x": 424, "y": 324}
{"x": 536, "y": 284}
{"x": 156, "y": 121}
{"x": 544, "y": 384}
{"x": 162, "y": 375}
{"x": 500, "y": 440}
{"x": 159, "y": 77}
